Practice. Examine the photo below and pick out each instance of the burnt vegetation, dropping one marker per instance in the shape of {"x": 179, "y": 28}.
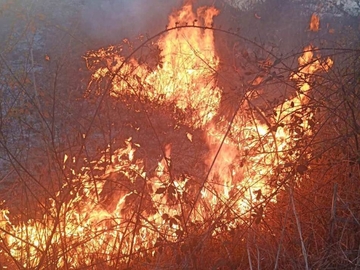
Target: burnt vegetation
{"x": 99, "y": 177}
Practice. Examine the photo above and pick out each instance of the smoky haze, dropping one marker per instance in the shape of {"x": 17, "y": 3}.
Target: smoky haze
{"x": 113, "y": 20}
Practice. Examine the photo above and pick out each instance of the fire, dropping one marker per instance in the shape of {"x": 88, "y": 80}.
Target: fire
{"x": 186, "y": 69}
{"x": 100, "y": 218}
{"x": 258, "y": 149}
{"x": 314, "y": 22}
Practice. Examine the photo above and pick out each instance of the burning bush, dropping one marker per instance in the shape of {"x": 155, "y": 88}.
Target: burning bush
{"x": 223, "y": 189}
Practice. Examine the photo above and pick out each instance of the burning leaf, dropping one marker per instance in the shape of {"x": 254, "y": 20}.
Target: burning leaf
{"x": 165, "y": 217}
{"x": 160, "y": 190}
{"x": 258, "y": 194}
{"x": 172, "y": 222}
{"x": 179, "y": 233}
{"x": 172, "y": 190}
{"x": 301, "y": 169}
{"x": 311, "y": 123}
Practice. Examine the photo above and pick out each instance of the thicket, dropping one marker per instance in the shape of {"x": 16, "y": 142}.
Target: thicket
{"x": 61, "y": 138}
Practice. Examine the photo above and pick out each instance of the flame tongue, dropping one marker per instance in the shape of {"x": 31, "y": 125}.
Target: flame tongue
{"x": 189, "y": 63}
{"x": 185, "y": 75}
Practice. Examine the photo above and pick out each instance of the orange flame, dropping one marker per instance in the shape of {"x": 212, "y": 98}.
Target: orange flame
{"x": 314, "y": 22}
{"x": 186, "y": 70}
{"x": 244, "y": 157}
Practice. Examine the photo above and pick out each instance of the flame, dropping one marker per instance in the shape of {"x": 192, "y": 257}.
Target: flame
{"x": 314, "y": 22}
{"x": 248, "y": 161}
{"x": 187, "y": 67}
{"x": 92, "y": 218}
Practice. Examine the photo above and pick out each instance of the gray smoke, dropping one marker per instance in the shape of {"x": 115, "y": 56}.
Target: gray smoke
{"x": 113, "y": 20}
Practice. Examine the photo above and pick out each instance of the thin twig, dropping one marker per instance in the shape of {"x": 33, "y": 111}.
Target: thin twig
{"x": 298, "y": 225}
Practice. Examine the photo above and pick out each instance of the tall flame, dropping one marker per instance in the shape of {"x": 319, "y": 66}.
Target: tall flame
{"x": 186, "y": 69}
{"x": 82, "y": 227}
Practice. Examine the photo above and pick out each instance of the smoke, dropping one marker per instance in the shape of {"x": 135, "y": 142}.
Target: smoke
{"x": 335, "y": 7}
{"x": 113, "y": 20}
{"x": 243, "y": 4}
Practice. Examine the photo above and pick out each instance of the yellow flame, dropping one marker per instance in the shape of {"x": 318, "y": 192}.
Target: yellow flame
{"x": 185, "y": 74}
{"x": 88, "y": 220}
